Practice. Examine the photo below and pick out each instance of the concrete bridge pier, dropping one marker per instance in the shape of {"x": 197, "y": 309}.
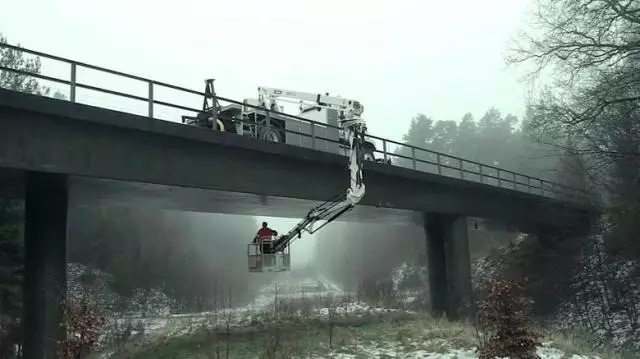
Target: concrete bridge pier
{"x": 45, "y": 261}
{"x": 449, "y": 265}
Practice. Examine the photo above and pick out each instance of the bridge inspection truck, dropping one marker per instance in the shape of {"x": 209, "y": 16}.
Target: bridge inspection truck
{"x": 263, "y": 118}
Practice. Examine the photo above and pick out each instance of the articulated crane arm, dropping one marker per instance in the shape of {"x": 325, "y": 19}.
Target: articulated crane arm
{"x": 349, "y": 110}
{"x": 344, "y": 201}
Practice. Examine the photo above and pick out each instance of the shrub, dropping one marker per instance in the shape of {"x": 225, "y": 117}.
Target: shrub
{"x": 82, "y": 323}
{"x": 503, "y": 322}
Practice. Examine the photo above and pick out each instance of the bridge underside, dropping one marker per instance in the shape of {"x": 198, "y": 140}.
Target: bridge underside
{"x": 86, "y": 191}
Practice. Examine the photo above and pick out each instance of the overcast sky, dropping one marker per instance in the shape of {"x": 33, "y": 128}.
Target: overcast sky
{"x": 397, "y": 57}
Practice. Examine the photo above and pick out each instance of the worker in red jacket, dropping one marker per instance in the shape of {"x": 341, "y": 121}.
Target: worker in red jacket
{"x": 264, "y": 237}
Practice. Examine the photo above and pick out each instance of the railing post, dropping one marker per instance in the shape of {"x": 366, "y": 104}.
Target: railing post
{"x": 413, "y": 157}
{"x": 269, "y": 119}
{"x": 72, "y": 86}
{"x": 265, "y": 128}
{"x": 460, "y": 163}
{"x": 481, "y": 174}
{"x": 151, "y": 100}
{"x": 384, "y": 150}
{"x": 313, "y": 135}
{"x": 515, "y": 184}
{"x": 529, "y": 184}
{"x": 438, "y": 163}
{"x": 499, "y": 178}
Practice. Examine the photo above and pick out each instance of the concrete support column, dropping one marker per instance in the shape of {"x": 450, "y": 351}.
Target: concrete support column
{"x": 45, "y": 261}
{"x": 449, "y": 265}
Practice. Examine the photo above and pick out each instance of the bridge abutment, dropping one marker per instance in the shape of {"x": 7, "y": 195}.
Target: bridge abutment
{"x": 45, "y": 263}
{"x": 449, "y": 265}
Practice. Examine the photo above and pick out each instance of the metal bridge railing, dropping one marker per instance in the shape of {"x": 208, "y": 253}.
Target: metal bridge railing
{"x": 408, "y": 156}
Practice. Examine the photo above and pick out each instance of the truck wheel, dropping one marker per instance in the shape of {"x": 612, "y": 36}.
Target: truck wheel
{"x": 367, "y": 152}
{"x": 368, "y": 156}
{"x": 270, "y": 135}
{"x": 219, "y": 126}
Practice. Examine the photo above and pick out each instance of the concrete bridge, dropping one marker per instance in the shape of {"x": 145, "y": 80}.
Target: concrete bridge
{"x": 55, "y": 153}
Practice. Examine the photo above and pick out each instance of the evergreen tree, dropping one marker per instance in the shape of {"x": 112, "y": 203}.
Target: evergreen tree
{"x": 18, "y": 60}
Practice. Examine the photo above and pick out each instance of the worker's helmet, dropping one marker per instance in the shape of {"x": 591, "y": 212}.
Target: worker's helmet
{"x": 264, "y": 224}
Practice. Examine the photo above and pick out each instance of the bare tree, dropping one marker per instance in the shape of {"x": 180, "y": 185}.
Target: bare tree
{"x": 577, "y": 36}
{"x": 592, "y": 49}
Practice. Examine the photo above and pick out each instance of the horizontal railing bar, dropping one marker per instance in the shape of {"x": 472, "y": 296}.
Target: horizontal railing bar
{"x": 111, "y": 92}
{"x": 39, "y": 76}
{"x": 77, "y": 63}
{"x": 178, "y": 107}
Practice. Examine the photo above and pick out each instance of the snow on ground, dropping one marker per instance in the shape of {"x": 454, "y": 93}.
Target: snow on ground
{"x": 396, "y": 349}
{"x": 318, "y": 297}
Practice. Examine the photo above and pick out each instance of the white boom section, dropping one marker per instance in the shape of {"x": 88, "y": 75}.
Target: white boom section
{"x": 335, "y": 207}
{"x": 350, "y": 110}
{"x": 350, "y": 121}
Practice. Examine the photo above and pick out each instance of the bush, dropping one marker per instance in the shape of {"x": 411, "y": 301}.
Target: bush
{"x": 82, "y": 323}
{"x": 377, "y": 291}
{"x": 503, "y": 322}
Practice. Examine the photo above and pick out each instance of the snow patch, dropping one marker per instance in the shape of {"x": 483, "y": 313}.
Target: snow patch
{"x": 395, "y": 349}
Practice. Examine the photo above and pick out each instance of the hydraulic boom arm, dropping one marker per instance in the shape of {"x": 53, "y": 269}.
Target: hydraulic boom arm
{"x": 344, "y": 201}
{"x": 350, "y": 110}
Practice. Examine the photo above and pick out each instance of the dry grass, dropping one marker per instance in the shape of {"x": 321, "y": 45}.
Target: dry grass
{"x": 293, "y": 328}
{"x": 288, "y": 334}
{"x": 312, "y": 339}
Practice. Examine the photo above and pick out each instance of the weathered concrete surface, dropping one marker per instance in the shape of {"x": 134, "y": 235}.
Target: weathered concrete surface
{"x": 449, "y": 265}
{"x": 50, "y": 135}
{"x": 45, "y": 263}
{"x": 89, "y": 191}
